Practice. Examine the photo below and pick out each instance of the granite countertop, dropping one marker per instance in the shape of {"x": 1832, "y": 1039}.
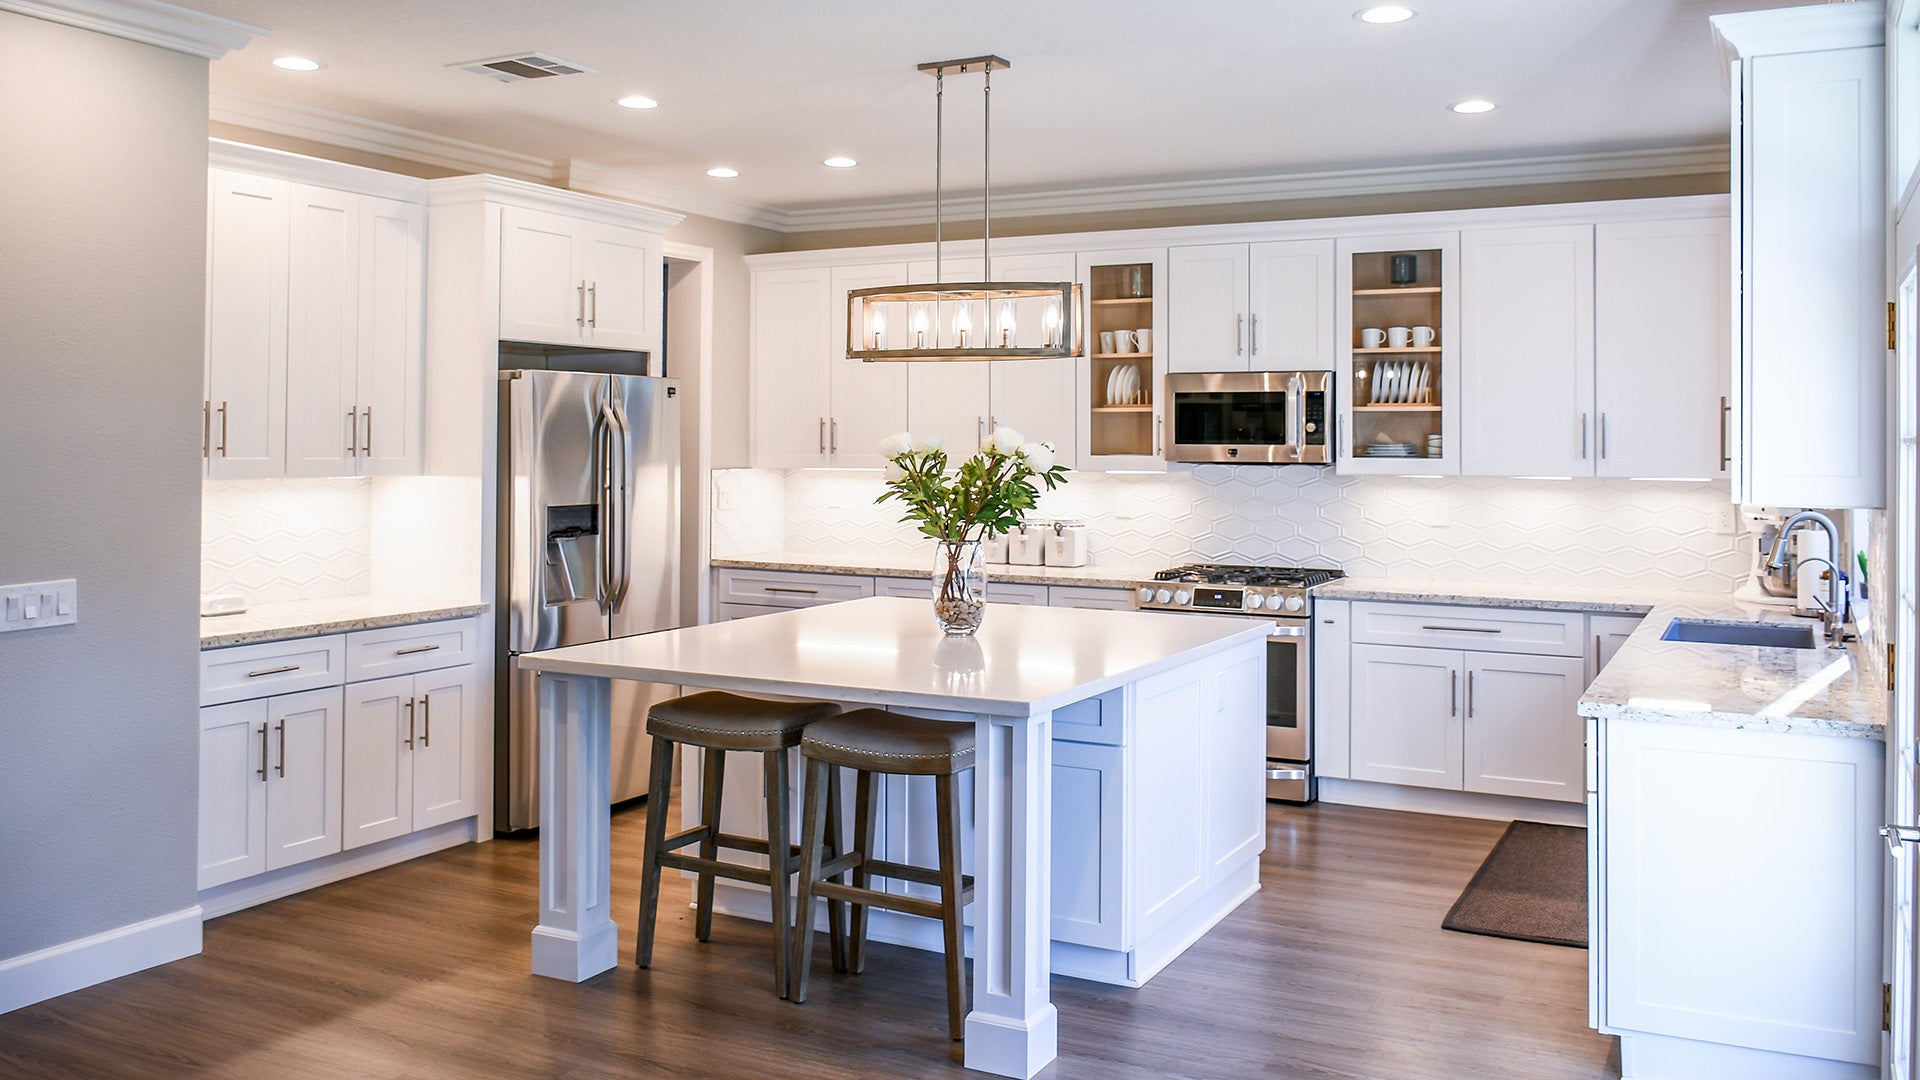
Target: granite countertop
{"x": 312, "y": 618}
{"x": 1804, "y": 691}
{"x": 894, "y": 564}
{"x": 1608, "y": 600}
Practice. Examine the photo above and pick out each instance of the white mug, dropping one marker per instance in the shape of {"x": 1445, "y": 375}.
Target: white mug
{"x": 1423, "y": 336}
{"x": 1123, "y": 341}
{"x": 1106, "y": 341}
{"x": 1144, "y": 336}
{"x": 1372, "y": 337}
{"x": 1399, "y": 337}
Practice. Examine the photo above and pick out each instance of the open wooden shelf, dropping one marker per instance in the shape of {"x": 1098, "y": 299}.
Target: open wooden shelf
{"x": 1409, "y": 349}
{"x": 1122, "y": 355}
{"x": 1124, "y": 300}
{"x": 1405, "y": 290}
{"x": 1122, "y": 408}
{"x": 1396, "y": 408}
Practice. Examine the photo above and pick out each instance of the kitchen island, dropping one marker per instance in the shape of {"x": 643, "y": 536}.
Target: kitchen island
{"x": 1734, "y": 874}
{"x": 1029, "y": 674}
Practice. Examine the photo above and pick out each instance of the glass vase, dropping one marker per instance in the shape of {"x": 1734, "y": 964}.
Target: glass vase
{"x": 959, "y": 585}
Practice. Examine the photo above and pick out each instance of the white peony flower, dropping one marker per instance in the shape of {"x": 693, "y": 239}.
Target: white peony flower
{"x": 1006, "y": 440}
{"x": 1039, "y": 456}
{"x": 931, "y": 443}
{"x": 896, "y": 444}
{"x": 894, "y": 472}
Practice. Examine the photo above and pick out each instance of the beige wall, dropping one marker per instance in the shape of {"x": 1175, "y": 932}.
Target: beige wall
{"x": 103, "y": 194}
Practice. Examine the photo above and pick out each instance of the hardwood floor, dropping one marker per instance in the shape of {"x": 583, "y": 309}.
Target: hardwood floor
{"x": 1336, "y": 968}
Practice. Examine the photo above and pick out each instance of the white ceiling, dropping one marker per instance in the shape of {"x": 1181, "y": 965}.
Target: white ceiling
{"x": 1100, "y": 92}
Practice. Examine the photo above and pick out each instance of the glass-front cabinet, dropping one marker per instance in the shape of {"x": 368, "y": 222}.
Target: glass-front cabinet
{"x": 1120, "y": 392}
{"x": 1399, "y": 377}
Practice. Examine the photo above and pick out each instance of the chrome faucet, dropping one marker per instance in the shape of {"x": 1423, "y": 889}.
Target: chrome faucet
{"x": 1836, "y": 605}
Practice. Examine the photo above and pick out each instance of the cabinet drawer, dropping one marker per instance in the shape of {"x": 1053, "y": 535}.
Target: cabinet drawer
{"x": 1081, "y": 596}
{"x": 402, "y": 650}
{"x": 1094, "y": 720}
{"x": 239, "y": 672}
{"x": 1543, "y": 633}
{"x": 777, "y": 589}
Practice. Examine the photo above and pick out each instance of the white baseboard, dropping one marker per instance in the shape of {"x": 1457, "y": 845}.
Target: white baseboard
{"x": 1471, "y": 804}
{"x": 72, "y": 965}
{"x": 274, "y": 884}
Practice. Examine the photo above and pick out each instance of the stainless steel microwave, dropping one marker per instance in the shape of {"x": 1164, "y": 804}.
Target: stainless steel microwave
{"x": 1252, "y": 417}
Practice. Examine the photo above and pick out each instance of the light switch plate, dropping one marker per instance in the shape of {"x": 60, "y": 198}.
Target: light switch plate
{"x": 39, "y": 603}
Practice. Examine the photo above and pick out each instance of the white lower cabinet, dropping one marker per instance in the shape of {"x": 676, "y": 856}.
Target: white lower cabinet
{"x": 269, "y": 784}
{"x": 741, "y": 593}
{"x": 1523, "y": 736}
{"x": 1608, "y": 632}
{"x": 409, "y": 754}
{"x": 1406, "y": 726}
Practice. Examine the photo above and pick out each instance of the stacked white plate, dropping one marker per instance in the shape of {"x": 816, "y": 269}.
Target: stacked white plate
{"x": 1123, "y": 386}
{"x": 1399, "y": 449}
{"x": 1400, "y": 382}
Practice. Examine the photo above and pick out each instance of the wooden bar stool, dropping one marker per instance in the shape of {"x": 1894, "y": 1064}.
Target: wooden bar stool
{"x": 872, "y": 741}
{"x": 718, "y": 722}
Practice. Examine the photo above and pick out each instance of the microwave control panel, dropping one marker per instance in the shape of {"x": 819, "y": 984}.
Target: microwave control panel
{"x": 1315, "y": 433}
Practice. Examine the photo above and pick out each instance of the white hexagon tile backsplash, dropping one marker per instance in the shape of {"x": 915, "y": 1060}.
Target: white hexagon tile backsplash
{"x": 293, "y": 539}
{"x": 1576, "y": 532}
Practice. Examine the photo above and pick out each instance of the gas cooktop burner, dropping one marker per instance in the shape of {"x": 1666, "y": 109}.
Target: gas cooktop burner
{"x": 1297, "y": 577}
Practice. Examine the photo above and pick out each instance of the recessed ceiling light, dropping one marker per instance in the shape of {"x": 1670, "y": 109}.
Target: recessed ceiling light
{"x": 1474, "y": 105}
{"x": 1385, "y": 13}
{"x": 637, "y": 101}
{"x": 297, "y": 63}
{"x": 839, "y": 163}
{"x": 723, "y": 172}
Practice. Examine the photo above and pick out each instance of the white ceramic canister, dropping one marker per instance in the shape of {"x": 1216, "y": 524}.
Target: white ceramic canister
{"x": 996, "y": 548}
{"x": 1067, "y": 543}
{"x": 1027, "y": 545}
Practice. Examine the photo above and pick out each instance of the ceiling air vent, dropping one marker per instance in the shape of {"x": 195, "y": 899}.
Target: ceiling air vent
{"x": 519, "y": 67}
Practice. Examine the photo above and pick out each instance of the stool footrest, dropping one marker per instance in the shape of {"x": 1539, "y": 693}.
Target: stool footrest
{"x": 919, "y": 875}
{"x": 724, "y": 840}
{"x": 717, "y": 867}
{"x": 912, "y": 905}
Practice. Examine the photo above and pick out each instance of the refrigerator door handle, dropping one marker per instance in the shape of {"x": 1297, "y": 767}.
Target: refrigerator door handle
{"x": 622, "y": 539}
{"x": 602, "y": 429}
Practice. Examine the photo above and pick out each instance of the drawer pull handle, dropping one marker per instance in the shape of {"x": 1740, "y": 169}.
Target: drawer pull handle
{"x": 1286, "y": 774}
{"x": 1466, "y": 629}
{"x": 415, "y": 649}
{"x": 273, "y": 670}
{"x": 802, "y": 592}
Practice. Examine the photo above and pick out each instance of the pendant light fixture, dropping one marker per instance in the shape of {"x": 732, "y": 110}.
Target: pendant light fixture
{"x": 967, "y": 320}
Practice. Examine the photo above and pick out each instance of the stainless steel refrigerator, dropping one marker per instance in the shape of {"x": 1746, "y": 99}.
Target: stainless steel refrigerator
{"x": 589, "y": 549}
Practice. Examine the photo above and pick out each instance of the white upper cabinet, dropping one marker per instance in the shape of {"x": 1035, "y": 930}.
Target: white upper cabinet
{"x": 1119, "y": 394}
{"x": 790, "y": 341}
{"x": 1809, "y": 193}
{"x": 1207, "y": 308}
{"x": 1662, "y": 359}
{"x": 392, "y": 335}
{"x": 1034, "y": 397}
{"x": 568, "y": 281}
{"x": 950, "y": 398}
{"x": 1251, "y": 307}
{"x": 246, "y": 375}
{"x": 869, "y": 400}
{"x": 1526, "y": 370}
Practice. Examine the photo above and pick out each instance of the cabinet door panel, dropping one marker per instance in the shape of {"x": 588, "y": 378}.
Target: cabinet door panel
{"x": 392, "y": 336}
{"x": 1088, "y": 816}
{"x": 1034, "y": 397}
{"x": 1406, "y": 727}
{"x": 869, "y": 400}
{"x": 381, "y": 729}
{"x": 1608, "y": 632}
{"x": 443, "y": 751}
{"x": 246, "y": 324}
{"x": 304, "y": 784}
{"x": 1523, "y": 736}
{"x": 950, "y": 399}
{"x": 233, "y": 793}
{"x": 1207, "y": 308}
{"x": 322, "y": 332}
{"x": 542, "y": 284}
{"x": 1527, "y": 341}
{"x": 624, "y": 299}
{"x": 790, "y": 386}
{"x": 1290, "y": 297}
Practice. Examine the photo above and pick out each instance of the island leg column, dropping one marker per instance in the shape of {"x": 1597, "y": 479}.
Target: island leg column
{"x": 576, "y": 938}
{"x": 1013, "y": 1029}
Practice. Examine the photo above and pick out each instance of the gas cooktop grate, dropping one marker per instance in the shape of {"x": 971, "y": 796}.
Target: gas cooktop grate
{"x": 1228, "y": 574}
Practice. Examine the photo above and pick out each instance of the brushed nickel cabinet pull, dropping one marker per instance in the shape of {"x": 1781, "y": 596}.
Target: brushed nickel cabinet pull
{"x": 1469, "y": 695}
{"x": 1603, "y": 436}
{"x": 833, "y": 435}
{"x": 366, "y": 448}
{"x": 273, "y": 670}
{"x": 263, "y": 751}
{"x": 823, "y": 434}
{"x": 281, "y": 728}
{"x": 223, "y": 430}
{"x": 353, "y": 431}
{"x": 1453, "y": 696}
{"x": 581, "y": 290}
{"x": 593, "y": 303}
{"x": 1583, "y": 436}
{"x": 415, "y": 649}
{"x": 206, "y": 429}
{"x": 409, "y": 739}
{"x": 1253, "y": 334}
{"x": 1726, "y": 422}
{"x": 426, "y": 719}
{"x": 783, "y": 589}
{"x": 1466, "y": 629}
{"x": 1239, "y": 334}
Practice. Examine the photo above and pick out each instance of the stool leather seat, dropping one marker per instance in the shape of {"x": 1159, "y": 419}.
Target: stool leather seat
{"x": 877, "y": 741}
{"x": 723, "y": 721}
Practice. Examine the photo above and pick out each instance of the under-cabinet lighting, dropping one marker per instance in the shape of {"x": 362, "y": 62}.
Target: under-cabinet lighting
{"x": 297, "y": 63}
{"x": 1384, "y": 14}
{"x": 1670, "y": 479}
{"x": 1543, "y": 478}
{"x": 1423, "y": 476}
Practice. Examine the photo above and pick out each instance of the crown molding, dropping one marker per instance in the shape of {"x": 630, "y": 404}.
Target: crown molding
{"x": 148, "y": 22}
{"x": 315, "y": 124}
{"x": 319, "y": 172}
{"x": 1851, "y": 25}
{"x": 458, "y": 190}
{"x": 617, "y": 184}
{"x": 1389, "y": 180}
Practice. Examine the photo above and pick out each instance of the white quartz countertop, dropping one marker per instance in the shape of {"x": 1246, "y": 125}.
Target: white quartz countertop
{"x": 894, "y": 564}
{"x": 1023, "y": 661}
{"x": 1821, "y": 691}
{"x": 1606, "y": 600}
{"x": 337, "y": 615}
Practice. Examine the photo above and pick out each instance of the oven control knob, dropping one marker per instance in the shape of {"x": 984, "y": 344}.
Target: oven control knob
{"x": 1251, "y": 601}
{"x": 1182, "y": 597}
{"x": 1164, "y": 596}
{"x": 1294, "y": 603}
{"x": 1146, "y": 596}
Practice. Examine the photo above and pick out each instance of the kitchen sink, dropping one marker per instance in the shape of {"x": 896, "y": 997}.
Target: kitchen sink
{"x": 1766, "y": 635}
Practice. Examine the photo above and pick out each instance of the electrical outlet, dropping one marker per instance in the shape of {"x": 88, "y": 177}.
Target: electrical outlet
{"x": 39, "y": 603}
{"x": 1723, "y": 520}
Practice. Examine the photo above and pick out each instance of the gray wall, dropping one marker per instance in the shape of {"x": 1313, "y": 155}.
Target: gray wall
{"x": 102, "y": 238}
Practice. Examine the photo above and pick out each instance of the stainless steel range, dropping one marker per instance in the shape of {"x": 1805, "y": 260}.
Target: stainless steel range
{"x": 1279, "y": 594}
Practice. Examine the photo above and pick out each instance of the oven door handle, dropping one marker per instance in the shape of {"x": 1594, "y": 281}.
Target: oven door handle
{"x": 1287, "y": 632}
{"x": 1294, "y": 773}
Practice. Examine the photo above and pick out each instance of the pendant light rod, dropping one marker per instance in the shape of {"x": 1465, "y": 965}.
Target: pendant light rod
{"x": 986, "y": 199}
{"x": 938, "y": 69}
{"x": 939, "y": 156}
